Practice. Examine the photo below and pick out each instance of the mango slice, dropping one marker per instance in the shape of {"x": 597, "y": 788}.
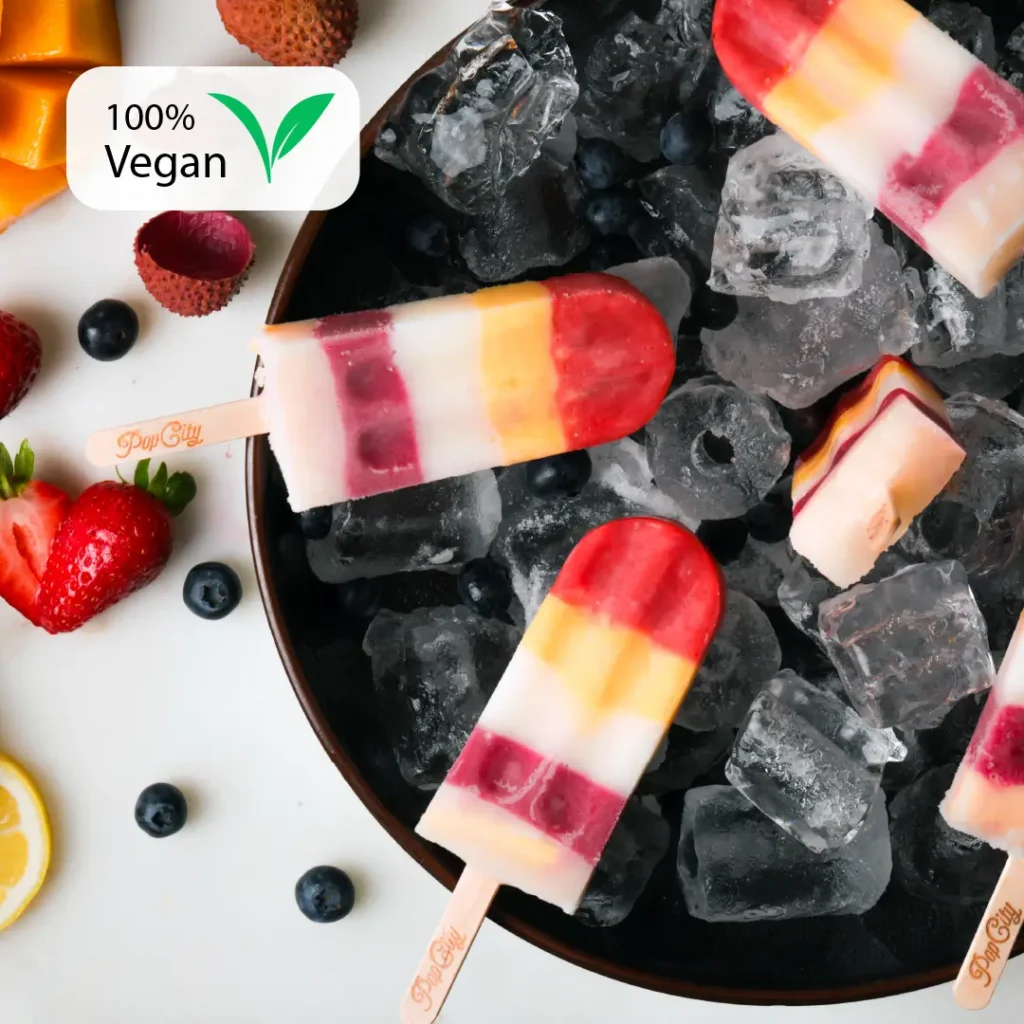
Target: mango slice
{"x": 33, "y": 116}
{"x": 74, "y": 34}
{"x": 23, "y": 190}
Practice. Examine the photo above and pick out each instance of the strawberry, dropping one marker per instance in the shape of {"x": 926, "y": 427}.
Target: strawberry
{"x": 30, "y": 513}
{"x": 115, "y": 539}
{"x": 21, "y": 355}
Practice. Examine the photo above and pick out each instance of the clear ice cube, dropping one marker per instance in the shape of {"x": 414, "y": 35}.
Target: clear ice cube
{"x": 810, "y": 762}
{"x": 440, "y": 525}
{"x": 788, "y": 228}
{"x": 760, "y": 570}
{"x": 682, "y": 210}
{"x": 968, "y": 26}
{"x": 743, "y": 656}
{"x": 737, "y": 865}
{"x": 434, "y": 670}
{"x": 1011, "y": 62}
{"x": 798, "y": 353}
{"x": 715, "y": 449}
{"x": 737, "y": 122}
{"x": 910, "y": 646}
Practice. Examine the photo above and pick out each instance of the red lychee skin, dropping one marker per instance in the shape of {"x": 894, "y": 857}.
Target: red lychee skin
{"x": 293, "y": 33}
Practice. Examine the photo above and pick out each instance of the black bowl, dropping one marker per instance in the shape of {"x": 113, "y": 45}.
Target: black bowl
{"x": 339, "y": 262}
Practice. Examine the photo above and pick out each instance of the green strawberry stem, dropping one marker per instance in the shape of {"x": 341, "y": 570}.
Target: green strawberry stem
{"x": 16, "y": 473}
{"x": 175, "y": 492}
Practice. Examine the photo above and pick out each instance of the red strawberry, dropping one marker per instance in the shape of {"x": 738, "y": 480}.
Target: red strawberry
{"x": 30, "y": 513}
{"x": 115, "y": 540}
{"x": 21, "y": 355}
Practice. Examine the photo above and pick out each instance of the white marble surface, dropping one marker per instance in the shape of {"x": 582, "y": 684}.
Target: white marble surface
{"x": 203, "y": 927}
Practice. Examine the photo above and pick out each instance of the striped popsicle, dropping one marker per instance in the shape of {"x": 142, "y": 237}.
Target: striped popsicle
{"x": 893, "y": 105}
{"x": 581, "y": 709}
{"x": 884, "y": 455}
{"x": 363, "y": 403}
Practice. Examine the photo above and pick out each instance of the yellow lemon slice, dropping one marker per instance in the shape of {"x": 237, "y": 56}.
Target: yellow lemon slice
{"x": 24, "y": 841}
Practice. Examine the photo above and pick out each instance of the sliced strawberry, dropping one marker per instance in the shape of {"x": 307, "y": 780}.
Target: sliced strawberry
{"x": 21, "y": 354}
{"x": 30, "y": 515}
{"x": 115, "y": 539}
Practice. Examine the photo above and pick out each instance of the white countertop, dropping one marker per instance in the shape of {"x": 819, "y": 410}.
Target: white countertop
{"x": 203, "y": 926}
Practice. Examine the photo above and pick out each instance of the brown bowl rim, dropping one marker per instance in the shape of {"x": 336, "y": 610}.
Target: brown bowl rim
{"x": 256, "y": 455}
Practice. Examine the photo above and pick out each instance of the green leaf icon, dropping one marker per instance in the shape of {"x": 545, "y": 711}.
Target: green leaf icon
{"x": 294, "y": 127}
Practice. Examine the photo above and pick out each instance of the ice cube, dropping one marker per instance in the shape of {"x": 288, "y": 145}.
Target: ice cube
{"x": 994, "y": 377}
{"x": 968, "y": 26}
{"x": 737, "y": 122}
{"x": 810, "y": 762}
{"x": 898, "y": 775}
{"x": 639, "y": 69}
{"x": 743, "y": 656}
{"x": 788, "y": 229}
{"x": 737, "y": 865}
{"x": 686, "y": 756}
{"x": 910, "y": 646}
{"x": 634, "y": 850}
{"x": 931, "y": 860}
{"x": 1011, "y": 63}
{"x": 469, "y": 128}
{"x": 682, "y": 207}
{"x": 434, "y": 670}
{"x": 535, "y": 222}
{"x": 798, "y": 353}
{"x": 440, "y": 525}
{"x": 760, "y": 570}
{"x": 715, "y": 449}
{"x": 664, "y": 281}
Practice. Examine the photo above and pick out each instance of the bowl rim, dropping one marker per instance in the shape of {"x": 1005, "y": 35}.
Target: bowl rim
{"x": 256, "y": 473}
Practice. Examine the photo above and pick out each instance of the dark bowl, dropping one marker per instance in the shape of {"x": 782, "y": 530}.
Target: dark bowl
{"x": 902, "y": 945}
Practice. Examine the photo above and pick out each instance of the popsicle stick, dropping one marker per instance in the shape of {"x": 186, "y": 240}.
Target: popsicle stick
{"x": 449, "y": 947}
{"x": 196, "y": 429}
{"x": 994, "y": 941}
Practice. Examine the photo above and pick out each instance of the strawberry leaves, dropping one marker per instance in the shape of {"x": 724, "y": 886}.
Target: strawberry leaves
{"x": 175, "y": 492}
{"x": 16, "y": 473}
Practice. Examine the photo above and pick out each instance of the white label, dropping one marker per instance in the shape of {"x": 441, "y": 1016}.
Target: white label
{"x": 209, "y": 138}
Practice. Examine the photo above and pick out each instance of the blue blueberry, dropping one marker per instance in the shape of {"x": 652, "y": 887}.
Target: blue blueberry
{"x": 559, "y": 476}
{"x": 723, "y": 538}
{"x": 315, "y": 523}
{"x": 108, "y": 330}
{"x": 161, "y": 810}
{"x": 484, "y": 587}
{"x": 212, "y": 590}
{"x": 361, "y": 598}
{"x": 712, "y": 309}
{"x": 601, "y": 164}
{"x": 325, "y": 894}
{"x": 609, "y": 213}
{"x": 685, "y": 138}
{"x": 428, "y": 235}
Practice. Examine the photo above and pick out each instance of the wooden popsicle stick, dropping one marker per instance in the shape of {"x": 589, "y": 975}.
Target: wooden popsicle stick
{"x": 196, "y": 429}
{"x": 994, "y": 940}
{"x": 449, "y": 947}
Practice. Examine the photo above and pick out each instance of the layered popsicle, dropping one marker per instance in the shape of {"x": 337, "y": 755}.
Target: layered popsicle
{"x": 364, "y": 403}
{"x": 923, "y": 129}
{"x": 884, "y": 455}
{"x": 581, "y": 709}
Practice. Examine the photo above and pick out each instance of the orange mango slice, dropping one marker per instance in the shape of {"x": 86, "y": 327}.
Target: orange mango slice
{"x": 23, "y": 190}
{"x": 33, "y": 116}
{"x": 75, "y": 34}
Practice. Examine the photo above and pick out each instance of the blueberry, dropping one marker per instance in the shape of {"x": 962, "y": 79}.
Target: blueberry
{"x": 161, "y": 810}
{"x": 212, "y": 590}
{"x": 360, "y": 598}
{"x": 723, "y": 538}
{"x": 428, "y": 235}
{"x": 559, "y": 476}
{"x": 769, "y": 522}
{"x": 601, "y": 163}
{"x": 108, "y": 330}
{"x": 685, "y": 138}
{"x": 315, "y": 523}
{"x": 484, "y": 587}
{"x": 325, "y": 894}
{"x": 712, "y": 309}
{"x": 609, "y": 213}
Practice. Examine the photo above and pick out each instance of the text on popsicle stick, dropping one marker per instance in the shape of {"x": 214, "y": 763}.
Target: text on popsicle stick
{"x": 1000, "y": 930}
{"x": 442, "y": 957}
{"x": 172, "y": 434}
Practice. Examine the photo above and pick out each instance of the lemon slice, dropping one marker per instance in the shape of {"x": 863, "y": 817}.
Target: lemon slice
{"x": 24, "y": 842}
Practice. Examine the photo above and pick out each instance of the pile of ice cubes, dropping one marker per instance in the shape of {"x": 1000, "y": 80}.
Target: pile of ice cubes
{"x": 823, "y": 727}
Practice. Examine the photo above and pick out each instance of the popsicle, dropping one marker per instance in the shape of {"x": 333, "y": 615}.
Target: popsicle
{"x": 884, "y": 455}
{"x": 894, "y": 106}
{"x": 987, "y": 801}
{"x": 577, "y": 716}
{"x": 364, "y": 403}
